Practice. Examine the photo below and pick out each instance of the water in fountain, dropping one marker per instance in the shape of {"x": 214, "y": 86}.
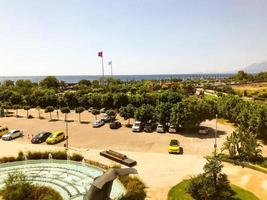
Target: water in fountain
{"x": 68, "y": 158}
{"x": 50, "y": 158}
{"x": 25, "y": 161}
{"x": 83, "y": 162}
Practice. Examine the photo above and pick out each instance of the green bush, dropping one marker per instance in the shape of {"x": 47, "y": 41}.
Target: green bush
{"x": 7, "y": 159}
{"x": 76, "y": 157}
{"x": 18, "y": 188}
{"x": 135, "y": 188}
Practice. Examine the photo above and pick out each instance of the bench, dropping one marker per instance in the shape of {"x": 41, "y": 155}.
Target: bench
{"x": 118, "y": 157}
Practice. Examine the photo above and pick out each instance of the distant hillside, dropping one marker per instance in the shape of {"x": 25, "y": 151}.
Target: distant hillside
{"x": 256, "y": 68}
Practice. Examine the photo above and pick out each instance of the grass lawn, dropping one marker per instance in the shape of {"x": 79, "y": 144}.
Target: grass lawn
{"x": 178, "y": 192}
{"x": 263, "y": 163}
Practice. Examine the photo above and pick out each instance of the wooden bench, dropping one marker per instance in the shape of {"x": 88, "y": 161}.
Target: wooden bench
{"x": 118, "y": 157}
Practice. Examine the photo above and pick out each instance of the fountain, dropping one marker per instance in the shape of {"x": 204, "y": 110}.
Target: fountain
{"x": 83, "y": 162}
{"x": 25, "y": 162}
{"x": 68, "y": 158}
{"x": 50, "y": 158}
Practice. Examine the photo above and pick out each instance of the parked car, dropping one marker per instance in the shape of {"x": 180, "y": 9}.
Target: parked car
{"x": 106, "y": 118}
{"x": 40, "y": 137}
{"x": 98, "y": 124}
{"x": 3, "y": 131}
{"x": 150, "y": 127}
{"x": 137, "y": 126}
{"x": 55, "y": 137}
{"x": 172, "y": 129}
{"x": 174, "y": 147}
{"x": 12, "y": 134}
{"x": 115, "y": 125}
{"x": 160, "y": 128}
{"x": 204, "y": 130}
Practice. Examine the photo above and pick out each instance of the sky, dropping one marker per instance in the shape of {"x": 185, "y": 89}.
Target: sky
{"x": 62, "y": 37}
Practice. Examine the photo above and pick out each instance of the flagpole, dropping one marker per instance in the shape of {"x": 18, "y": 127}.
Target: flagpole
{"x": 103, "y": 74}
{"x": 111, "y": 69}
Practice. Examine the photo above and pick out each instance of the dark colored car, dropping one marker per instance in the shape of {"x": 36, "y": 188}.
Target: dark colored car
{"x": 150, "y": 127}
{"x": 115, "y": 125}
{"x": 40, "y": 137}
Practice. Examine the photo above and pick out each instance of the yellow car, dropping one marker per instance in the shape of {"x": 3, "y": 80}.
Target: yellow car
{"x": 55, "y": 137}
{"x": 3, "y": 131}
{"x": 174, "y": 147}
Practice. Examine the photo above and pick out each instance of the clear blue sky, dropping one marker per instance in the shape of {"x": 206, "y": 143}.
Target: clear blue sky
{"x": 62, "y": 37}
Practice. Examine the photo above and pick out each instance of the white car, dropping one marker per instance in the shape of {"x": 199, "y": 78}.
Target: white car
{"x": 98, "y": 123}
{"x": 12, "y": 134}
{"x": 136, "y": 126}
{"x": 160, "y": 128}
{"x": 106, "y": 118}
{"x": 172, "y": 129}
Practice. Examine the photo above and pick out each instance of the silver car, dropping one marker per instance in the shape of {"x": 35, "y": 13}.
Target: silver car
{"x": 160, "y": 128}
{"x": 136, "y": 126}
{"x": 98, "y": 123}
{"x": 12, "y": 134}
{"x": 172, "y": 129}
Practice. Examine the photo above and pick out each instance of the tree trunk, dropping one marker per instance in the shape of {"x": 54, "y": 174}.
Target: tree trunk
{"x": 39, "y": 114}
{"x": 80, "y": 117}
{"x": 95, "y": 117}
{"x": 17, "y": 113}
{"x": 50, "y": 116}
{"x": 27, "y": 114}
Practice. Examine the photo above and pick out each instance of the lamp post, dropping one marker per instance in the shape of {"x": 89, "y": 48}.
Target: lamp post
{"x": 67, "y": 135}
{"x": 215, "y": 137}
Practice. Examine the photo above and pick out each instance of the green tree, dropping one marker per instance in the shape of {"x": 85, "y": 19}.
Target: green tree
{"x": 79, "y": 110}
{"x": 212, "y": 184}
{"x": 50, "y": 82}
{"x": 163, "y": 112}
{"x": 189, "y": 113}
{"x": 66, "y": 111}
{"x": 27, "y": 108}
{"x": 145, "y": 113}
{"x": 111, "y": 114}
{"x": 38, "y": 108}
{"x": 49, "y": 109}
{"x": 243, "y": 145}
{"x": 95, "y": 112}
{"x": 16, "y": 107}
{"x": 127, "y": 112}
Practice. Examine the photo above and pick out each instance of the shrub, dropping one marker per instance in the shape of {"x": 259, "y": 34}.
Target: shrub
{"x": 17, "y": 187}
{"x": 135, "y": 188}
{"x": 76, "y": 157}
{"x": 61, "y": 155}
{"x": 7, "y": 159}
{"x": 212, "y": 184}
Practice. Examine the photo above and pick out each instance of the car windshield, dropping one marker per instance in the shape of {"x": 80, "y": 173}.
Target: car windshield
{"x": 174, "y": 143}
{"x": 53, "y": 136}
{"x": 160, "y": 126}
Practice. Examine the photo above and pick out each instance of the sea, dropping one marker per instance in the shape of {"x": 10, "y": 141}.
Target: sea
{"x": 77, "y": 78}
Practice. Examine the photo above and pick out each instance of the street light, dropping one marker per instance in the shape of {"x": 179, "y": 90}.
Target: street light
{"x": 215, "y": 137}
{"x": 67, "y": 135}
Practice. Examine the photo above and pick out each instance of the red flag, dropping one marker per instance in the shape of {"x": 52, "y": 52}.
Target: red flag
{"x": 100, "y": 54}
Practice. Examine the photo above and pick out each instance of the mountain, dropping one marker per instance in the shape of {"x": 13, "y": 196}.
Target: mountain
{"x": 256, "y": 68}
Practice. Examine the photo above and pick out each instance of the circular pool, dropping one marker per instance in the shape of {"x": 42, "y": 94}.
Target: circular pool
{"x": 71, "y": 179}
